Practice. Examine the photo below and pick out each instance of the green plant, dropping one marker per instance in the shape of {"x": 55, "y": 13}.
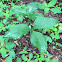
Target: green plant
{"x": 40, "y": 23}
{"x": 46, "y": 7}
{"x": 38, "y": 37}
{"x": 35, "y": 57}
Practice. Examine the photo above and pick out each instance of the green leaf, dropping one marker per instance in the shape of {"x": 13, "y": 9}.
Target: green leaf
{"x": 33, "y": 16}
{"x": 42, "y": 57}
{"x": 32, "y": 7}
{"x": 48, "y": 38}
{"x": 19, "y": 11}
{"x": 2, "y": 14}
{"x": 20, "y": 19}
{"x": 42, "y": 6}
{"x": 3, "y": 52}
{"x": 23, "y": 52}
{"x": 11, "y": 45}
{"x": 17, "y": 31}
{"x": 24, "y": 57}
{"x": 12, "y": 53}
{"x": 46, "y": 10}
{"x": 1, "y": 39}
{"x": 60, "y": 28}
{"x": 8, "y": 59}
{"x": 30, "y": 55}
{"x": 44, "y": 22}
{"x": 52, "y": 3}
{"x": 54, "y": 60}
{"x": 12, "y": 4}
{"x": 37, "y": 40}
{"x": 18, "y": 59}
{"x": 58, "y": 44}
{"x": 56, "y": 10}
{"x": 55, "y": 36}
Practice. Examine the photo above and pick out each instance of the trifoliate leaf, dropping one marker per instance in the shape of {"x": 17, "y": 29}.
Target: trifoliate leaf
{"x": 3, "y": 52}
{"x": 56, "y": 10}
{"x": 44, "y": 22}
{"x": 38, "y": 40}
{"x": 17, "y": 31}
{"x": 11, "y": 45}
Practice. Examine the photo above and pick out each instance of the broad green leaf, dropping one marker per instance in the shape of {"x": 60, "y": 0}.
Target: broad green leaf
{"x": 54, "y": 60}
{"x": 20, "y": 19}
{"x": 11, "y": 45}
{"x": 12, "y": 4}
{"x": 2, "y": 14}
{"x": 8, "y": 59}
{"x": 52, "y": 3}
{"x": 42, "y": 6}
{"x": 48, "y": 38}
{"x": 2, "y": 43}
{"x": 18, "y": 59}
{"x": 2, "y": 39}
{"x": 19, "y": 11}
{"x": 17, "y": 31}
{"x": 44, "y": 22}
{"x": 56, "y": 10}
{"x": 24, "y": 57}
{"x": 46, "y": 10}
{"x": 32, "y": 7}
{"x": 38, "y": 40}
{"x": 12, "y": 53}
{"x": 42, "y": 57}
{"x": 33, "y": 16}
{"x": 30, "y": 55}
{"x": 3, "y": 52}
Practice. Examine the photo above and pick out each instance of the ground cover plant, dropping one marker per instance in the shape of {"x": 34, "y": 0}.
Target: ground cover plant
{"x": 41, "y": 29}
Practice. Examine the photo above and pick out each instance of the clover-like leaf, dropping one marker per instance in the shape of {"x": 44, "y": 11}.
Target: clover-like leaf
{"x": 44, "y": 22}
{"x": 38, "y": 40}
{"x": 17, "y": 31}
